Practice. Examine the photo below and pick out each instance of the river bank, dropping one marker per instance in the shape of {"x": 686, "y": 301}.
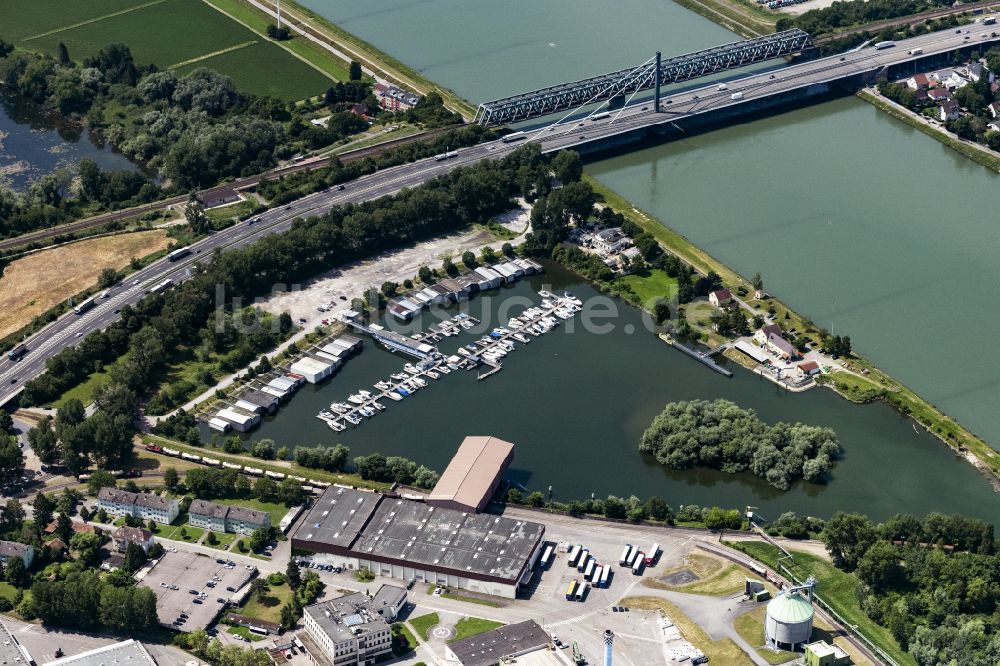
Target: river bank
{"x": 875, "y": 385}
{"x": 975, "y": 152}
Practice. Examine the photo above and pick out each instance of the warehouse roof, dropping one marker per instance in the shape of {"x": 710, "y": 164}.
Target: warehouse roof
{"x": 388, "y": 528}
{"x": 471, "y": 472}
{"x": 127, "y": 652}
{"x": 338, "y": 516}
{"x": 487, "y": 648}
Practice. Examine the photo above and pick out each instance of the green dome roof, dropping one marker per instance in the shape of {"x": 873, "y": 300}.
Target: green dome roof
{"x": 790, "y": 608}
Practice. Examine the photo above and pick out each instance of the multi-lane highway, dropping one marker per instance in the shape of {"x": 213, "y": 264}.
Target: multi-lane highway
{"x": 70, "y": 328}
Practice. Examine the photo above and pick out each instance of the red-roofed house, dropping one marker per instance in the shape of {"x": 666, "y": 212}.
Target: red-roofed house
{"x": 720, "y": 297}
{"x": 809, "y": 368}
{"x": 918, "y": 82}
{"x": 939, "y": 94}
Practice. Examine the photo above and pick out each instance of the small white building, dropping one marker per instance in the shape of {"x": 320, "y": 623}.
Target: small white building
{"x": 125, "y": 535}
{"x": 312, "y": 369}
{"x": 240, "y": 420}
{"x": 487, "y": 278}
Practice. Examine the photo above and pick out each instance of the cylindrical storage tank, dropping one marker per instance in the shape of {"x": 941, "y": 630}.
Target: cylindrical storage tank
{"x": 789, "y": 619}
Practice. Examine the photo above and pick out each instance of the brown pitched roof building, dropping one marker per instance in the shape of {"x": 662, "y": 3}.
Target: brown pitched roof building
{"x": 473, "y": 474}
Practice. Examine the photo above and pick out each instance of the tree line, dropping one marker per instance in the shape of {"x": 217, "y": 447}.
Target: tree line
{"x": 721, "y": 435}
{"x": 191, "y": 130}
{"x": 848, "y": 14}
{"x": 187, "y": 316}
{"x": 933, "y": 583}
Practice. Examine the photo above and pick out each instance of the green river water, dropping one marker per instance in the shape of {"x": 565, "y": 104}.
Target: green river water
{"x": 857, "y": 221}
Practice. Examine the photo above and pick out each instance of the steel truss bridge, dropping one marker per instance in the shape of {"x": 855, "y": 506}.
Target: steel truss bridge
{"x": 649, "y": 75}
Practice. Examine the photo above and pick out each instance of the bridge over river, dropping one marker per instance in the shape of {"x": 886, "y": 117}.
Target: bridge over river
{"x": 676, "y": 112}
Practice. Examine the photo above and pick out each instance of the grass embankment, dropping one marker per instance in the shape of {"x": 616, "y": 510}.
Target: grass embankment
{"x": 723, "y": 651}
{"x": 744, "y": 18}
{"x": 875, "y": 384}
{"x": 835, "y": 587}
{"x": 472, "y": 626}
{"x": 39, "y": 281}
{"x": 256, "y": 20}
{"x": 716, "y": 576}
{"x": 281, "y": 466}
{"x": 979, "y": 154}
{"x": 424, "y": 623}
{"x": 368, "y": 55}
{"x": 750, "y": 627}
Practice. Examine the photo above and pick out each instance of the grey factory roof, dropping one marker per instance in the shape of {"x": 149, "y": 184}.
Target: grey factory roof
{"x": 389, "y": 528}
{"x": 338, "y": 516}
{"x": 338, "y": 618}
{"x": 472, "y": 471}
{"x": 483, "y": 544}
{"x": 487, "y": 648}
{"x": 248, "y": 515}
{"x": 127, "y": 652}
{"x": 116, "y": 495}
{"x": 211, "y": 509}
{"x": 10, "y": 651}
{"x": 151, "y": 501}
{"x": 12, "y": 549}
{"x": 388, "y": 595}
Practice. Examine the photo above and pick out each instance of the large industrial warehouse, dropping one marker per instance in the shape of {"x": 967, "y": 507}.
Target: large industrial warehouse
{"x": 410, "y": 540}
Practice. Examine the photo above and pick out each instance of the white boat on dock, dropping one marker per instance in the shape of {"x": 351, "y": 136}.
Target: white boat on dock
{"x": 398, "y": 376}
{"x": 340, "y": 407}
{"x": 352, "y": 418}
{"x": 355, "y": 399}
{"x": 410, "y": 368}
{"x": 432, "y": 374}
{"x": 522, "y": 338}
{"x": 379, "y": 406}
{"x": 336, "y": 426}
{"x": 418, "y": 381}
{"x": 392, "y": 395}
{"x": 367, "y": 411}
{"x": 383, "y": 385}
{"x": 443, "y": 369}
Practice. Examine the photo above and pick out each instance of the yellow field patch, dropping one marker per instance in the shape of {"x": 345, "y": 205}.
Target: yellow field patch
{"x": 33, "y": 284}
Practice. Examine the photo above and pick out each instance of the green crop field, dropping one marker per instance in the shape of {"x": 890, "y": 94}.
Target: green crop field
{"x": 168, "y": 33}
{"x": 24, "y": 19}
{"x": 266, "y": 69}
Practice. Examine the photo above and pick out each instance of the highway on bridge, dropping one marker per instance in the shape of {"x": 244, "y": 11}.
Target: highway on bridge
{"x": 70, "y": 327}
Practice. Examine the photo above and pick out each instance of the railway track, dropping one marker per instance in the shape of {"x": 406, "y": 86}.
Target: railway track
{"x": 69, "y": 228}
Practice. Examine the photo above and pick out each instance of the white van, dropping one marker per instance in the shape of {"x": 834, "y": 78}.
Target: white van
{"x": 736, "y": 95}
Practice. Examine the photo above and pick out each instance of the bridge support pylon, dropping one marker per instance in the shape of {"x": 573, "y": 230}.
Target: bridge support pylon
{"x": 656, "y": 107}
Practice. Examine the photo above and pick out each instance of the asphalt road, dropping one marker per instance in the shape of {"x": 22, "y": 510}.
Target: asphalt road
{"x": 69, "y": 328}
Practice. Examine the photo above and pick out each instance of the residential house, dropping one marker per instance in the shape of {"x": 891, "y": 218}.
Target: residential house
{"x": 392, "y": 98}
{"x": 938, "y": 94}
{"x": 918, "y": 82}
{"x": 11, "y": 549}
{"x": 144, "y": 506}
{"x": 973, "y": 71}
{"x": 995, "y": 109}
{"x": 611, "y": 240}
{"x": 720, "y": 297}
{"x": 760, "y": 336}
{"x": 207, "y": 515}
{"x": 780, "y": 347}
{"x": 225, "y": 518}
{"x": 948, "y": 110}
{"x": 125, "y": 535}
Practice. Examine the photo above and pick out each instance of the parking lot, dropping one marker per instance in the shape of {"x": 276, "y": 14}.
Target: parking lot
{"x": 191, "y": 589}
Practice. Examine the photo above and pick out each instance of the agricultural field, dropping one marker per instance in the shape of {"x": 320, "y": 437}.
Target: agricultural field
{"x": 65, "y": 271}
{"x": 181, "y": 34}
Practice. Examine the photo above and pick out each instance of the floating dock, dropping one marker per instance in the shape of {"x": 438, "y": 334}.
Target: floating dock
{"x": 485, "y": 352}
{"x": 701, "y": 357}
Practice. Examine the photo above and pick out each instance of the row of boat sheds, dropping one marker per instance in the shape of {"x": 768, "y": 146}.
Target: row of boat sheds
{"x": 460, "y": 287}
{"x": 266, "y": 393}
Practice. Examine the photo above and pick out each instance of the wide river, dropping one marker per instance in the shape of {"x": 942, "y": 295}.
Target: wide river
{"x": 866, "y": 226}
